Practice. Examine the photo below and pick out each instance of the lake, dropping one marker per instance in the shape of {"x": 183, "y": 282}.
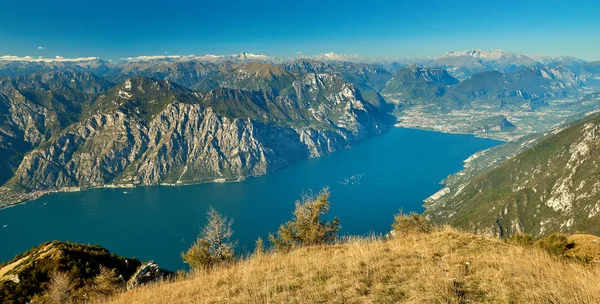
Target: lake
{"x": 368, "y": 182}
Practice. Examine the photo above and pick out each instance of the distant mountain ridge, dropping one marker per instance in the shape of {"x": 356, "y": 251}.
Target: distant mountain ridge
{"x": 26, "y": 65}
{"x": 466, "y": 63}
{"x": 415, "y": 83}
{"x": 422, "y": 85}
{"x": 460, "y": 64}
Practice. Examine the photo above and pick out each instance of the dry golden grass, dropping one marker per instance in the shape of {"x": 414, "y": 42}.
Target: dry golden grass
{"x": 587, "y": 247}
{"x": 442, "y": 267}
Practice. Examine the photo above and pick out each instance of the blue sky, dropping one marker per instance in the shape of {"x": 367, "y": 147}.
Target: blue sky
{"x": 424, "y": 28}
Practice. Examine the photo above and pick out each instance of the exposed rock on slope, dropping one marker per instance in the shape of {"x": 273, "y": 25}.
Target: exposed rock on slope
{"x": 550, "y": 187}
{"x": 35, "y": 107}
{"x": 492, "y": 124}
{"x": 146, "y": 274}
{"x": 149, "y": 131}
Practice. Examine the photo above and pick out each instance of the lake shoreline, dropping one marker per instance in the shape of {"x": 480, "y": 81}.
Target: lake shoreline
{"x": 24, "y": 198}
{"x": 369, "y": 183}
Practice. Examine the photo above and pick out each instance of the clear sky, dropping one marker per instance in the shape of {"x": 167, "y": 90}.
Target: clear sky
{"x": 421, "y": 28}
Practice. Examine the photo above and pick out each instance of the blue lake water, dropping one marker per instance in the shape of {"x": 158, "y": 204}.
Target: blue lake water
{"x": 368, "y": 182}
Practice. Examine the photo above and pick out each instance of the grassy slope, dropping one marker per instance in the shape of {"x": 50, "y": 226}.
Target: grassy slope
{"x": 416, "y": 268}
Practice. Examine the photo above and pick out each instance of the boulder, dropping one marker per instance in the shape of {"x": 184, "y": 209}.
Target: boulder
{"x": 147, "y": 273}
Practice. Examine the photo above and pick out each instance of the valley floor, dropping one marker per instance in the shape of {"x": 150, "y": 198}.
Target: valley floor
{"x": 464, "y": 121}
{"x": 443, "y": 267}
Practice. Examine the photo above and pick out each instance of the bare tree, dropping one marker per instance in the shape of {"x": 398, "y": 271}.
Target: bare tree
{"x": 214, "y": 245}
{"x": 61, "y": 288}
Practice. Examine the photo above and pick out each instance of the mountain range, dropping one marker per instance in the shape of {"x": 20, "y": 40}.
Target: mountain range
{"x": 433, "y": 86}
{"x": 148, "y": 131}
{"x": 460, "y": 64}
{"x": 75, "y": 124}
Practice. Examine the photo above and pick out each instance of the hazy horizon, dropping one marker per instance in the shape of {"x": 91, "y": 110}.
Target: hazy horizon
{"x": 324, "y": 55}
{"x": 396, "y": 29}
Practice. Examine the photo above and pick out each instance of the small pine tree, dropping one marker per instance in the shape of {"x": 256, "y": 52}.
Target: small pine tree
{"x": 307, "y": 228}
{"x": 411, "y": 223}
{"x": 106, "y": 283}
{"x": 198, "y": 256}
{"x": 214, "y": 245}
{"x": 259, "y": 247}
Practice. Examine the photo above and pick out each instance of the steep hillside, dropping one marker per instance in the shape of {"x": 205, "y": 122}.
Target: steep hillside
{"x": 592, "y": 72}
{"x": 550, "y": 187}
{"x": 592, "y": 67}
{"x": 29, "y": 274}
{"x": 442, "y": 267}
{"x": 148, "y": 131}
{"x": 415, "y": 84}
{"x": 188, "y": 73}
{"x": 35, "y": 107}
{"x": 259, "y": 76}
{"x": 529, "y": 87}
{"x": 364, "y": 75}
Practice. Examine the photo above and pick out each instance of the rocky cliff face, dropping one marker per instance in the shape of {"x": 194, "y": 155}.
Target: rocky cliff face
{"x": 35, "y": 107}
{"x": 147, "y": 132}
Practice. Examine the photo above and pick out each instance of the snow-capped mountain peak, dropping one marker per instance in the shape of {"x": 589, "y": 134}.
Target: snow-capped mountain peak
{"x": 41, "y": 59}
{"x": 242, "y": 56}
{"x": 482, "y": 54}
{"x": 331, "y": 56}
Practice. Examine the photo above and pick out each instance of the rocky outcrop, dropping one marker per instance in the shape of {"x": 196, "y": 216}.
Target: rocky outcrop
{"x": 493, "y": 124}
{"x": 93, "y": 270}
{"x": 146, "y": 274}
